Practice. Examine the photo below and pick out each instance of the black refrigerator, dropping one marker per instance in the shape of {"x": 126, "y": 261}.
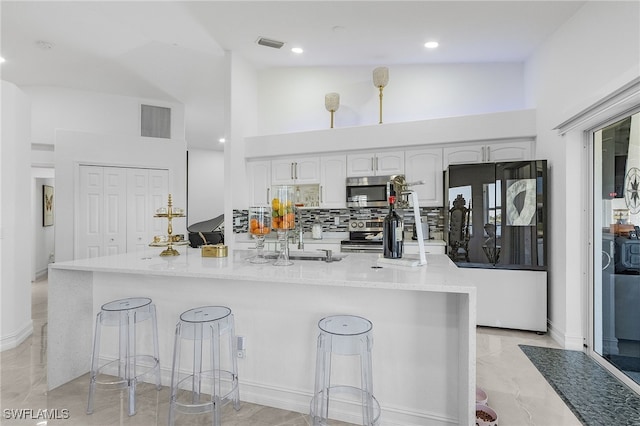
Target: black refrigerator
{"x": 496, "y": 214}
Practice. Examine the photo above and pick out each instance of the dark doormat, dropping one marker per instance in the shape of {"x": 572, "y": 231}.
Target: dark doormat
{"x": 591, "y": 392}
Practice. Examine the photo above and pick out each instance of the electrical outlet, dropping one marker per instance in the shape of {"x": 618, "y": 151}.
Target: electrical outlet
{"x": 240, "y": 347}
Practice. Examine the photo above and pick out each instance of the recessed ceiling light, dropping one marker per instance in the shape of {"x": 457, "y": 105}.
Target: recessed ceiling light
{"x": 221, "y": 140}
{"x": 1, "y": 59}
{"x": 297, "y": 50}
{"x": 431, "y": 44}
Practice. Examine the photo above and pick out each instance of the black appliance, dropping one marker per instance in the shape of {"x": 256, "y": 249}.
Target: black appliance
{"x": 496, "y": 214}
{"x": 211, "y": 229}
{"x": 365, "y": 236}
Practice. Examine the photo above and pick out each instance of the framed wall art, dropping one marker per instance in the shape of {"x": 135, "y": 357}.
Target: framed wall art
{"x": 47, "y": 205}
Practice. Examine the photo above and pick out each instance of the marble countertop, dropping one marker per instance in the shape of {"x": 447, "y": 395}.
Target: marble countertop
{"x": 354, "y": 270}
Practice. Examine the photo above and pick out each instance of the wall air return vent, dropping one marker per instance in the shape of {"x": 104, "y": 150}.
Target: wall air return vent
{"x": 155, "y": 121}
{"x": 270, "y": 43}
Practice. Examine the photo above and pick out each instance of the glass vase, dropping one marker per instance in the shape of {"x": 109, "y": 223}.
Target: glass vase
{"x": 283, "y": 219}
{"x": 259, "y": 227}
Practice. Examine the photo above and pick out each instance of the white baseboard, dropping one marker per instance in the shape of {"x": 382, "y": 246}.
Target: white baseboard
{"x": 299, "y": 401}
{"x": 42, "y": 272}
{"x": 574, "y": 343}
{"x": 14, "y": 339}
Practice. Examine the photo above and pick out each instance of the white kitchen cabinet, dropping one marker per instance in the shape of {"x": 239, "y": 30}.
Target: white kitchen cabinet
{"x": 259, "y": 182}
{"x": 484, "y": 153}
{"x": 507, "y": 298}
{"x": 375, "y": 164}
{"x": 295, "y": 170}
{"x": 333, "y": 175}
{"x": 425, "y": 165}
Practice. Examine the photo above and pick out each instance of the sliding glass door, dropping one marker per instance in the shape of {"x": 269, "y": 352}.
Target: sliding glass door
{"x": 616, "y": 217}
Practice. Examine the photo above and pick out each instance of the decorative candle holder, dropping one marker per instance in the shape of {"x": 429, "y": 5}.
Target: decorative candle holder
{"x": 170, "y": 240}
{"x": 283, "y": 219}
{"x": 259, "y": 227}
{"x": 380, "y": 80}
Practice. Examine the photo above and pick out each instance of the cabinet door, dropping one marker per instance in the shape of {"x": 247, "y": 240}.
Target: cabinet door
{"x": 462, "y": 155}
{"x": 306, "y": 170}
{"x": 426, "y": 165}
{"x": 259, "y": 180}
{"x": 115, "y": 210}
{"x": 333, "y": 175}
{"x": 388, "y": 163}
{"x": 361, "y": 164}
{"x": 282, "y": 172}
{"x": 510, "y": 151}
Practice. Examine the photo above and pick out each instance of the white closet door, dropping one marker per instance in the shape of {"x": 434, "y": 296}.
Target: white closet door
{"x": 137, "y": 209}
{"x": 90, "y": 213}
{"x": 147, "y": 190}
{"x": 115, "y": 210}
{"x": 158, "y": 191}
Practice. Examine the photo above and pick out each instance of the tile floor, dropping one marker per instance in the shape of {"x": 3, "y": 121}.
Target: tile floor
{"x": 517, "y": 391}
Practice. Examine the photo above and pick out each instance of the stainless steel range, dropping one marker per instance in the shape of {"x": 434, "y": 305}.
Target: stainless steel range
{"x": 365, "y": 236}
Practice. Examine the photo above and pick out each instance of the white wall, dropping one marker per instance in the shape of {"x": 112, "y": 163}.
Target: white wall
{"x": 206, "y": 185}
{"x": 55, "y": 108}
{"x": 292, "y": 99}
{"x": 593, "y": 54}
{"x": 74, "y": 148}
{"x": 242, "y": 121}
{"x": 15, "y": 218}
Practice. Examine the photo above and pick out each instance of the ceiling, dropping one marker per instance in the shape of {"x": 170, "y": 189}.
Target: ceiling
{"x": 174, "y": 50}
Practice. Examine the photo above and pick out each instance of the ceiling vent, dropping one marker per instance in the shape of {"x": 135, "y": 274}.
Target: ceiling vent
{"x": 270, "y": 43}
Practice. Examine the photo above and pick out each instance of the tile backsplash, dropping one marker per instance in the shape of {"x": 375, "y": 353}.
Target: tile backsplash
{"x": 434, "y": 216}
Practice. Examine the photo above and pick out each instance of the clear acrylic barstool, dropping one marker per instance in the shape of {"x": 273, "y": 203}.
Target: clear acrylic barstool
{"x": 189, "y": 391}
{"x": 131, "y": 366}
{"x": 344, "y": 335}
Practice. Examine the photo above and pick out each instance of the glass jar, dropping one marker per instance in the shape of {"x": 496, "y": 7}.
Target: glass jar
{"x": 283, "y": 219}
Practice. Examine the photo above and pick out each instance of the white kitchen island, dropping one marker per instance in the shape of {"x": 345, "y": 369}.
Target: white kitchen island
{"x": 423, "y": 324}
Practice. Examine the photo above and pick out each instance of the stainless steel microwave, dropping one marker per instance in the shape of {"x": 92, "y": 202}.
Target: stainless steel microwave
{"x": 368, "y": 191}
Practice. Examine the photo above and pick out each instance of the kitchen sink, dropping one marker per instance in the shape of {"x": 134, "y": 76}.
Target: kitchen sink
{"x": 304, "y": 255}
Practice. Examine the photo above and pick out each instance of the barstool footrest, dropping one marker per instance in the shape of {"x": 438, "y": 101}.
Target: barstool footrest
{"x": 206, "y": 405}
{"x": 142, "y": 363}
{"x": 344, "y": 390}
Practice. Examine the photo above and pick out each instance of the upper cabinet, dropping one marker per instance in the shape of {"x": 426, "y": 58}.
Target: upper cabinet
{"x": 425, "y": 165}
{"x": 333, "y": 176}
{"x": 259, "y": 182}
{"x": 329, "y": 172}
{"x": 375, "y": 164}
{"x": 300, "y": 170}
{"x": 486, "y": 153}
